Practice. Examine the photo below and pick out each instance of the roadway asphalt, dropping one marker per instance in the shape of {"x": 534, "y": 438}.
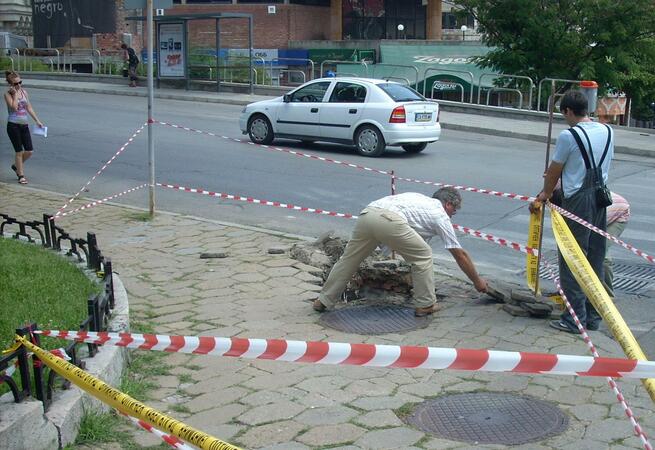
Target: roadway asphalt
{"x": 628, "y": 140}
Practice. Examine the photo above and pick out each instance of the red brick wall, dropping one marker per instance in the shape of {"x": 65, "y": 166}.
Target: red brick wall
{"x": 290, "y": 22}
{"x": 112, "y": 41}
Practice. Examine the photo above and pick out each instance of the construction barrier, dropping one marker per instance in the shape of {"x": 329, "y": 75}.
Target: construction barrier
{"x": 371, "y": 355}
{"x": 596, "y": 293}
{"x": 123, "y": 402}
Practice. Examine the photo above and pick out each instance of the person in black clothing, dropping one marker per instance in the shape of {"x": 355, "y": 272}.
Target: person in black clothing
{"x": 129, "y": 55}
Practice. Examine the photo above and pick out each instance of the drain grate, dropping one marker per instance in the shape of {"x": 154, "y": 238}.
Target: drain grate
{"x": 380, "y": 319}
{"x": 628, "y": 278}
{"x": 489, "y": 418}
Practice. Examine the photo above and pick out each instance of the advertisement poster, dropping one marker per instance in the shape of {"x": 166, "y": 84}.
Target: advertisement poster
{"x": 171, "y": 52}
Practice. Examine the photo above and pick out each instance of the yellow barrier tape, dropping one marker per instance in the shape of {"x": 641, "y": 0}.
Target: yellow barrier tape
{"x": 124, "y": 403}
{"x": 596, "y": 293}
{"x": 532, "y": 261}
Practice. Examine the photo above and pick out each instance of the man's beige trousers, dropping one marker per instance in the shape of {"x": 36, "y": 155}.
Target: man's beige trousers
{"x": 379, "y": 226}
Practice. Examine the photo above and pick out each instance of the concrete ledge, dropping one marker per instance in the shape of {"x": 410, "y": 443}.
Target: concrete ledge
{"x": 25, "y": 426}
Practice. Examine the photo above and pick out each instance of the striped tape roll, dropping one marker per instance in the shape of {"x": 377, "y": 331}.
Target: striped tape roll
{"x": 496, "y": 240}
{"x": 371, "y": 355}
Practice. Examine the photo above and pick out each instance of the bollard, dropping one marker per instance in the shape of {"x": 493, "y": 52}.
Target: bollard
{"x": 590, "y": 90}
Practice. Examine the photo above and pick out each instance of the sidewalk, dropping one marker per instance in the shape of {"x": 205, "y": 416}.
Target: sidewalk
{"x": 277, "y": 405}
{"x": 628, "y": 141}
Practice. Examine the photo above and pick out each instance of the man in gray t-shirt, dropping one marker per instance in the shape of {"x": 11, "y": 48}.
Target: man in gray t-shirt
{"x": 581, "y": 164}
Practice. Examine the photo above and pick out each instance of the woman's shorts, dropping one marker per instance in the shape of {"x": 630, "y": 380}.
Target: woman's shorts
{"x": 19, "y": 135}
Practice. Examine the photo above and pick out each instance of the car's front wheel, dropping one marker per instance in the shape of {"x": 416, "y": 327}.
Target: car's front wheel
{"x": 415, "y": 148}
{"x": 369, "y": 141}
{"x": 260, "y": 129}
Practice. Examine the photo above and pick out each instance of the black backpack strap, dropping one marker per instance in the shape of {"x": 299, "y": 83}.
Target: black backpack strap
{"x": 583, "y": 152}
{"x": 607, "y": 144}
{"x": 591, "y": 150}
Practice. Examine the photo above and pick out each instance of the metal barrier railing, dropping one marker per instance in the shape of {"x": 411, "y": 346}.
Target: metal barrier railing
{"x": 435, "y": 70}
{"x": 437, "y": 82}
{"x": 499, "y": 89}
{"x": 312, "y": 65}
{"x": 518, "y": 77}
{"x": 413, "y": 69}
{"x": 13, "y": 65}
{"x": 554, "y": 81}
{"x": 99, "y": 306}
{"x": 336, "y": 62}
{"x": 302, "y": 73}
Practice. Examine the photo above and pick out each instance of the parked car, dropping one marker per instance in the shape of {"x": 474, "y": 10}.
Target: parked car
{"x": 367, "y": 113}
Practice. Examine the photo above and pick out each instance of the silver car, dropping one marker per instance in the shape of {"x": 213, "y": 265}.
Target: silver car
{"x": 367, "y": 113}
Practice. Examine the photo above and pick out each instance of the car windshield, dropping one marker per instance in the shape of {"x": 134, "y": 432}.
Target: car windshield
{"x": 401, "y": 93}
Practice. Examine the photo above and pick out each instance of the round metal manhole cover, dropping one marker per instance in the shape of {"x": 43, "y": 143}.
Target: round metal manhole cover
{"x": 489, "y": 418}
{"x": 374, "y": 319}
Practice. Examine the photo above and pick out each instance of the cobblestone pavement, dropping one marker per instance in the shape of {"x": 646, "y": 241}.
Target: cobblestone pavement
{"x": 276, "y": 405}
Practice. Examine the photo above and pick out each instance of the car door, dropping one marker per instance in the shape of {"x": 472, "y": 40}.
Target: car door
{"x": 342, "y": 111}
{"x": 300, "y": 115}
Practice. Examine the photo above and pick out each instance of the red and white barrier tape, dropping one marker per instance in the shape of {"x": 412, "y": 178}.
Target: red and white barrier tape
{"x": 583, "y": 222}
{"x": 279, "y": 149}
{"x": 497, "y": 240}
{"x": 371, "y": 355}
{"x": 470, "y": 231}
{"x": 99, "y": 202}
{"x": 120, "y": 150}
{"x": 583, "y": 331}
{"x": 257, "y": 201}
{"x": 355, "y": 166}
{"x": 171, "y": 440}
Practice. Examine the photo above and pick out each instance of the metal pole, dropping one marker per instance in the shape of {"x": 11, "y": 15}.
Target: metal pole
{"x": 218, "y": 55}
{"x": 252, "y": 89}
{"x": 551, "y": 107}
{"x": 151, "y": 138}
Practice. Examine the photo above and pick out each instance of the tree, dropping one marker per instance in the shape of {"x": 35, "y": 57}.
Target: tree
{"x": 609, "y": 41}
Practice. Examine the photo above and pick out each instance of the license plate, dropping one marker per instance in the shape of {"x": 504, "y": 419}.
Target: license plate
{"x": 423, "y": 117}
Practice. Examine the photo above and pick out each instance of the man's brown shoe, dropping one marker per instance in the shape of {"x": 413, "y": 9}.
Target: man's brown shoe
{"x": 318, "y": 306}
{"x": 422, "y": 312}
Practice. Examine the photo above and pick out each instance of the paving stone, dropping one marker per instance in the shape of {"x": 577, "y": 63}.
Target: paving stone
{"x": 392, "y": 438}
{"x": 216, "y": 416}
{"x": 379, "y": 419}
{"x": 326, "y": 416}
{"x": 372, "y": 387}
{"x": 216, "y": 398}
{"x": 286, "y": 446}
{"x": 441, "y": 444}
{"x": 260, "y": 398}
{"x": 591, "y": 413}
{"x": 330, "y": 435}
{"x": 609, "y": 430}
{"x": 269, "y": 434}
{"x": 571, "y": 395}
{"x": 373, "y": 403}
{"x": 268, "y": 413}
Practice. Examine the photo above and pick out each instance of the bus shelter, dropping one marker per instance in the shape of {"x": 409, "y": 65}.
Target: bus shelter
{"x": 172, "y": 45}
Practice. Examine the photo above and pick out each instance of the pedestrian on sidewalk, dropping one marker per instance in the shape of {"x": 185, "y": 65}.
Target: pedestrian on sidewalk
{"x": 618, "y": 214}
{"x": 582, "y": 160}
{"x": 404, "y": 223}
{"x": 129, "y": 55}
{"x": 18, "y": 107}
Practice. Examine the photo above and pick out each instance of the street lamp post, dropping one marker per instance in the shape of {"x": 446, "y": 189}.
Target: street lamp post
{"x": 463, "y": 28}
{"x": 401, "y": 29}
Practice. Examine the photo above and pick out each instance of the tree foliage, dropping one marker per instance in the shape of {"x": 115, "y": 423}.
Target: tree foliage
{"x": 609, "y": 41}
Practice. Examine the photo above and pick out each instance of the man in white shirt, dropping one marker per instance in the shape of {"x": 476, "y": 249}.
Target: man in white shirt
{"x": 404, "y": 223}
{"x": 582, "y": 160}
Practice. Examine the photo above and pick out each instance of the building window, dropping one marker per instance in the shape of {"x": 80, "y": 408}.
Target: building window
{"x": 379, "y": 19}
{"x": 450, "y": 21}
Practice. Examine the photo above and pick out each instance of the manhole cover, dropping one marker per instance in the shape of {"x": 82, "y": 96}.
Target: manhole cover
{"x": 489, "y": 418}
{"x": 628, "y": 277}
{"x": 374, "y": 319}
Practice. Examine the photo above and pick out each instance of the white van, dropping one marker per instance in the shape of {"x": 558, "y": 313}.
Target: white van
{"x": 11, "y": 41}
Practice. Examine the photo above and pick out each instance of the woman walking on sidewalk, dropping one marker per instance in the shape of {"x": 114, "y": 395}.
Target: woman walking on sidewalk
{"x": 18, "y": 107}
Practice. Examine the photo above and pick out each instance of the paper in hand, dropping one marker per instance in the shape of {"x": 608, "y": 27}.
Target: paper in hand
{"x": 41, "y": 131}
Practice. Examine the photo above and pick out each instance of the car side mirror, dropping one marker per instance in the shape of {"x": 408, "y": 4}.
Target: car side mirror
{"x": 287, "y": 98}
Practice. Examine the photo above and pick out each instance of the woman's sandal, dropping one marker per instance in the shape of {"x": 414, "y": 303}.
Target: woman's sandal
{"x": 22, "y": 179}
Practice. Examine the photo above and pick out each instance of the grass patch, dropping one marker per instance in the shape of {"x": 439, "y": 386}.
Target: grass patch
{"x": 405, "y": 410}
{"x": 37, "y": 285}
{"x": 137, "y": 380}
{"x": 96, "y": 428}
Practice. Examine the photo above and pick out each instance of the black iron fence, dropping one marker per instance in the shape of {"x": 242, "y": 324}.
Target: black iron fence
{"x": 36, "y": 379}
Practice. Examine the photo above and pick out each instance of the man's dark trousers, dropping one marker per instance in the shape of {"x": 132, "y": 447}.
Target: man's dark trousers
{"x": 583, "y": 205}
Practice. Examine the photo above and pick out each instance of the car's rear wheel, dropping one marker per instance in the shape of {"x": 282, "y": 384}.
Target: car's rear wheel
{"x": 260, "y": 129}
{"x": 415, "y": 148}
{"x": 369, "y": 141}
